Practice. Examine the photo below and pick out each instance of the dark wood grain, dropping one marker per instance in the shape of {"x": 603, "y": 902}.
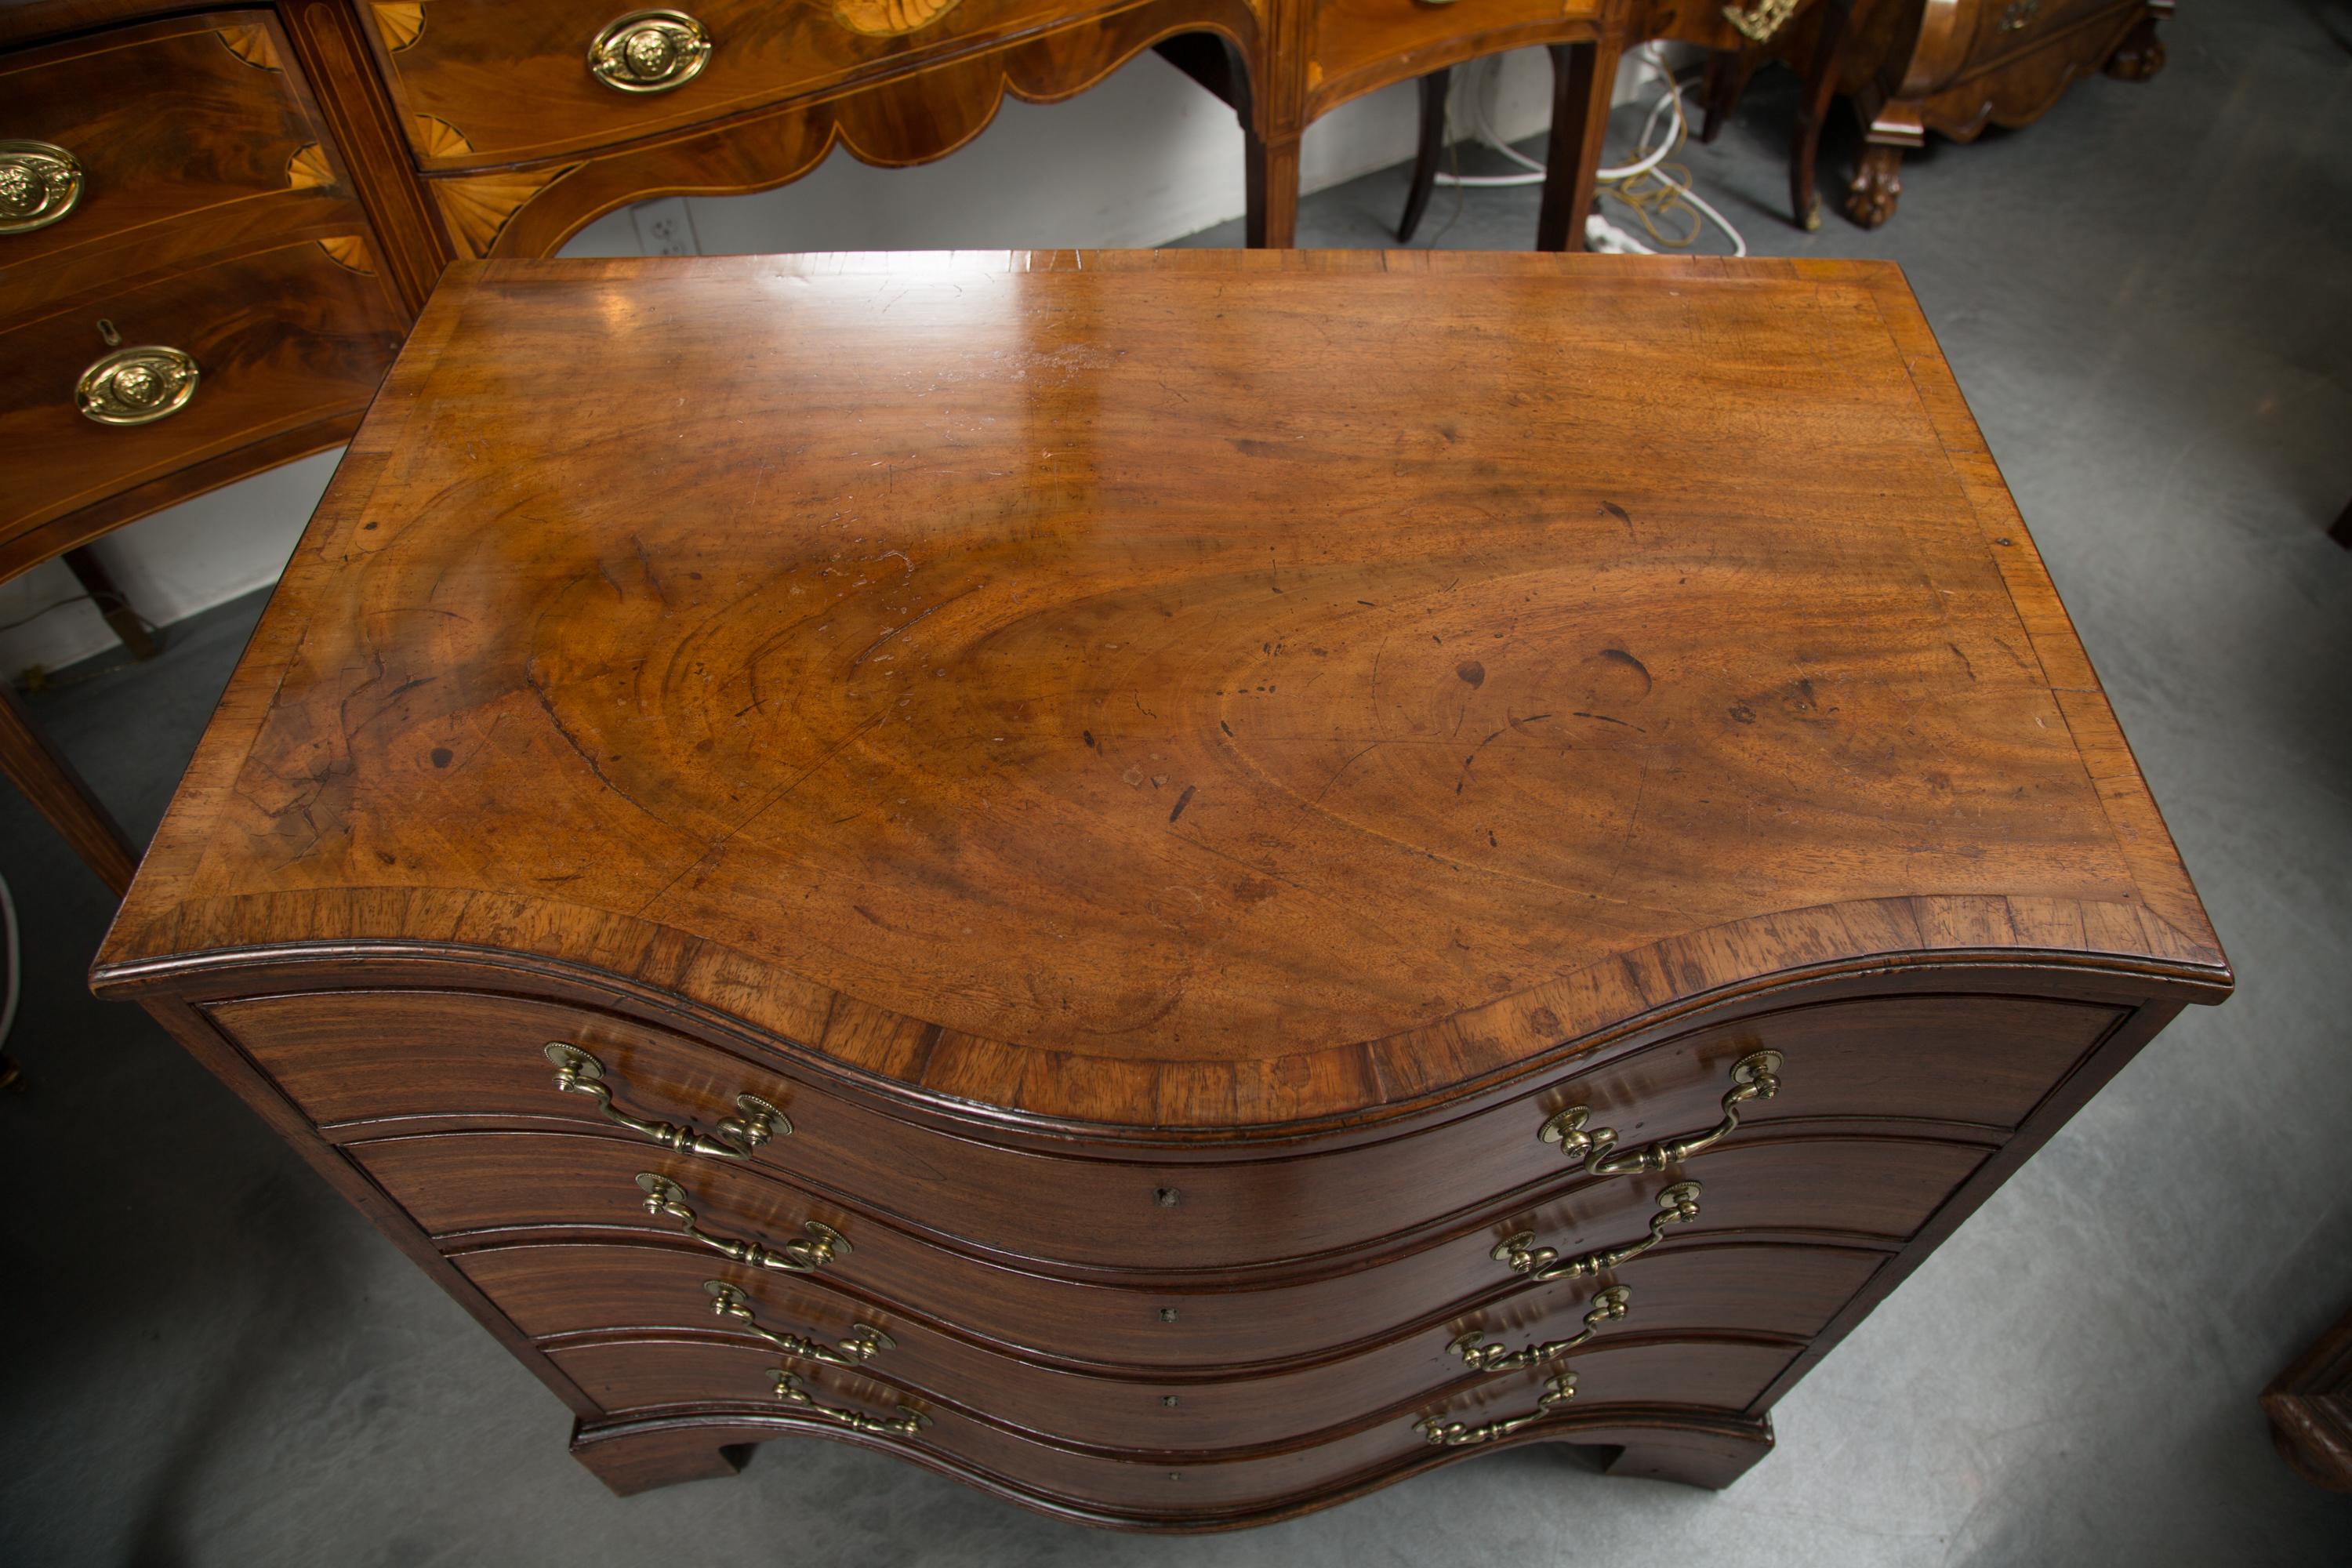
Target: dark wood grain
{"x": 477, "y": 1189}
{"x": 1167, "y": 813}
{"x": 366, "y": 1064}
{"x": 285, "y": 337}
{"x": 1176, "y": 1488}
{"x": 2309, "y": 1406}
{"x": 570, "y": 1294}
{"x": 1957, "y": 66}
{"x": 893, "y": 121}
{"x": 510, "y": 77}
{"x": 189, "y": 152}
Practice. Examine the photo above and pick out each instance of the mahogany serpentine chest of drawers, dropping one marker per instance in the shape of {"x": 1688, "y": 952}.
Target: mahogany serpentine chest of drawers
{"x": 1176, "y": 884}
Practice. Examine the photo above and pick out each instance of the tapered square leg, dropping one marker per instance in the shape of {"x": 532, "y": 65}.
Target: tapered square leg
{"x": 1583, "y": 79}
{"x": 1271, "y": 166}
{"x": 1433, "y": 88}
{"x": 56, "y": 790}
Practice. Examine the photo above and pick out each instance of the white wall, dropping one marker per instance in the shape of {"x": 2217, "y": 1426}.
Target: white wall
{"x": 1146, "y": 156}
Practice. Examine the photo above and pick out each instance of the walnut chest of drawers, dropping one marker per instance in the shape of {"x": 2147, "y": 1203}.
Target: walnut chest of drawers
{"x": 1177, "y": 885}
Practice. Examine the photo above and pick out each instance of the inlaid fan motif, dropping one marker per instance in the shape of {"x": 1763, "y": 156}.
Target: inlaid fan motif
{"x": 253, "y": 45}
{"x": 400, "y": 22}
{"x": 888, "y": 19}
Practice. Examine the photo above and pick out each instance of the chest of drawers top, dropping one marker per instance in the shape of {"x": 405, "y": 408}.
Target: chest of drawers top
{"x": 1181, "y": 694}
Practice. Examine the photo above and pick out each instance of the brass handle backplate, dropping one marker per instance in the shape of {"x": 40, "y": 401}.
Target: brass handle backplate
{"x": 910, "y": 1421}
{"x": 863, "y": 1343}
{"x": 649, "y": 51}
{"x": 40, "y": 183}
{"x": 577, "y": 1072}
{"x": 823, "y": 1244}
{"x": 1607, "y": 1307}
{"x": 135, "y": 386}
{"x": 1558, "y": 1391}
{"x": 1677, "y": 1205}
{"x": 1756, "y": 1075}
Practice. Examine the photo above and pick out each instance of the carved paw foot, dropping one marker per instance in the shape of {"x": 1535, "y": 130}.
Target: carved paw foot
{"x": 1877, "y": 185}
{"x": 2140, "y": 55}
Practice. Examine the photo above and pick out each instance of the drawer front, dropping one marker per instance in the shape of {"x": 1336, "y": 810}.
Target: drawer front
{"x": 362, "y": 1064}
{"x": 1361, "y": 45}
{"x": 183, "y": 138}
{"x": 499, "y": 81}
{"x": 279, "y": 339}
{"x": 466, "y": 1188}
{"x": 559, "y": 1291}
{"x": 654, "y": 1373}
{"x": 2006, "y": 27}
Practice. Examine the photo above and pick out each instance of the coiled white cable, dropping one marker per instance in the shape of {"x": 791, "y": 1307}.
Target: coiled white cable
{"x": 1599, "y": 233}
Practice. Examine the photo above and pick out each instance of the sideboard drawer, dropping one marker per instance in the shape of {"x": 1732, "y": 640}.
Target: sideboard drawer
{"x": 2005, "y": 27}
{"x": 657, "y": 1372}
{"x": 280, "y": 339}
{"x": 554, "y": 1292}
{"x": 144, "y": 147}
{"x": 499, "y": 81}
{"x": 362, "y": 1063}
{"x": 1358, "y": 45}
{"x": 474, "y": 1189}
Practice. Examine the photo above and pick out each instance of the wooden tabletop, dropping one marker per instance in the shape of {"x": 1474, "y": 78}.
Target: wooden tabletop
{"x": 1195, "y": 690}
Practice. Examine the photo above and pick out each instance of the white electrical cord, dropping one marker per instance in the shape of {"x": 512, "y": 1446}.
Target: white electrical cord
{"x": 1599, "y": 233}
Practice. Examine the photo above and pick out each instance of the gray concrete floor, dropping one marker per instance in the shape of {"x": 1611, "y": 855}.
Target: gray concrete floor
{"x": 2148, "y": 297}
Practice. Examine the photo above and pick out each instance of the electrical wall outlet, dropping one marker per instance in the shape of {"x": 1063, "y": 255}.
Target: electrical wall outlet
{"x": 665, "y": 227}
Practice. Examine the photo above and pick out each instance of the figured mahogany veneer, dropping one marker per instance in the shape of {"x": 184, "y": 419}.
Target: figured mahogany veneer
{"x": 493, "y": 1187}
{"x": 312, "y": 357}
{"x": 1168, "y": 810}
{"x": 1676, "y": 1381}
{"x": 474, "y": 1062}
{"x": 573, "y": 1295}
{"x": 397, "y": 135}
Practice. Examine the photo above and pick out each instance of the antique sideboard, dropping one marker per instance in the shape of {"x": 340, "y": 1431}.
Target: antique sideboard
{"x": 217, "y": 225}
{"x": 1157, "y": 919}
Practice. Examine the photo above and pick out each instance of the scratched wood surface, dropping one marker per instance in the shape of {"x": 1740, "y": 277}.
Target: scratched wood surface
{"x": 1205, "y": 690}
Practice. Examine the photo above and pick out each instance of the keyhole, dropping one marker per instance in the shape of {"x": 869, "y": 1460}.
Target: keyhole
{"x": 108, "y": 335}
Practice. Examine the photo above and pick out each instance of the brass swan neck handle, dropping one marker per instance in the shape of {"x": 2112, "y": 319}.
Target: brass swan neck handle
{"x": 1608, "y": 1306}
{"x": 579, "y": 1072}
{"x": 1677, "y": 1205}
{"x": 1756, "y": 1075}
{"x": 863, "y": 1343}
{"x": 664, "y": 1198}
{"x": 909, "y": 1420}
{"x": 1558, "y": 1391}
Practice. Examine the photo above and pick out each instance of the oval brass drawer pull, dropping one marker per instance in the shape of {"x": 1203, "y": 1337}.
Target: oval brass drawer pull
{"x": 863, "y": 1343}
{"x": 665, "y": 1197}
{"x": 40, "y": 183}
{"x": 1756, "y": 1075}
{"x": 577, "y": 1072}
{"x": 1607, "y": 1307}
{"x": 134, "y": 386}
{"x": 909, "y": 1420}
{"x": 1558, "y": 1391}
{"x": 1677, "y": 1205}
{"x": 649, "y": 51}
